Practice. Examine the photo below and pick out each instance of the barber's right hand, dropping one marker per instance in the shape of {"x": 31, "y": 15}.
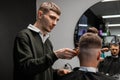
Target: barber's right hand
{"x": 105, "y": 49}
{"x": 65, "y": 53}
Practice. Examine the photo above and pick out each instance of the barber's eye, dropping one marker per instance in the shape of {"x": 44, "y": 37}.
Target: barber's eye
{"x": 52, "y": 17}
{"x": 114, "y": 49}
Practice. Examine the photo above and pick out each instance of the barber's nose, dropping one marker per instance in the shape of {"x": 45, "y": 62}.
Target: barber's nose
{"x": 114, "y": 50}
{"x": 54, "y": 23}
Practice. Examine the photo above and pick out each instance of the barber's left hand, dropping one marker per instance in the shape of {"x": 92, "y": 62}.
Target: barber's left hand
{"x": 62, "y": 72}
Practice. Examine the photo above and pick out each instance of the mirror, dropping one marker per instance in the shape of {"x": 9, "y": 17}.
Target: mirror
{"x": 98, "y": 16}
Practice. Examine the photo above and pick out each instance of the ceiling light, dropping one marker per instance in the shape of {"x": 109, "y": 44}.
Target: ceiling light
{"x": 112, "y": 25}
{"x": 84, "y": 25}
{"x": 111, "y": 16}
{"x": 108, "y": 0}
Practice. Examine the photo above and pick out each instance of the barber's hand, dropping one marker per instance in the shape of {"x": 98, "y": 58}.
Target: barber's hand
{"x": 62, "y": 72}
{"x": 65, "y": 53}
{"x": 105, "y": 49}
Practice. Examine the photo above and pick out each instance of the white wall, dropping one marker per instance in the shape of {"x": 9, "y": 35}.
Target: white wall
{"x": 62, "y": 35}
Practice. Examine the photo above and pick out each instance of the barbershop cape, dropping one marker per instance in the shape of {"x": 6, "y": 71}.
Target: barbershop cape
{"x": 82, "y": 75}
{"x": 110, "y": 66}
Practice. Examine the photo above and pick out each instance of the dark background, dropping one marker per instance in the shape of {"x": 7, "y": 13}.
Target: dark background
{"x": 14, "y": 16}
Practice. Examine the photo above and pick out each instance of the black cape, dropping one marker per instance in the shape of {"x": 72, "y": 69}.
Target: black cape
{"x": 110, "y": 66}
{"x": 82, "y": 75}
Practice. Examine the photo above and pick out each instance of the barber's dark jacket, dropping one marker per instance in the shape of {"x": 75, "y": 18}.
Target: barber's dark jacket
{"x": 32, "y": 58}
{"x": 110, "y": 65}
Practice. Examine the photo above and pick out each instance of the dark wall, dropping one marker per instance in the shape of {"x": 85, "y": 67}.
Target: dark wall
{"x": 14, "y": 16}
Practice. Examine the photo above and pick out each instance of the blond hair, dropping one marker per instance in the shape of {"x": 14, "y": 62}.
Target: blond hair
{"x": 47, "y": 6}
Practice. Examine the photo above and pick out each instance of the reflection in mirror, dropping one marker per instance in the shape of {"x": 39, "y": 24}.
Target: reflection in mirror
{"x": 102, "y": 16}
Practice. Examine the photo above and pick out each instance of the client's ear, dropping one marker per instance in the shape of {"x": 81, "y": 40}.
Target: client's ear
{"x": 98, "y": 56}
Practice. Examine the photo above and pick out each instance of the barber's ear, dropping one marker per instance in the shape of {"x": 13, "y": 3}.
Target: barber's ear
{"x": 40, "y": 14}
{"x": 110, "y": 48}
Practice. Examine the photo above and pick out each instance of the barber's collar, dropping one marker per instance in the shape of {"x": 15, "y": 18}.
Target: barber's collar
{"x": 33, "y": 28}
{"x": 88, "y": 69}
